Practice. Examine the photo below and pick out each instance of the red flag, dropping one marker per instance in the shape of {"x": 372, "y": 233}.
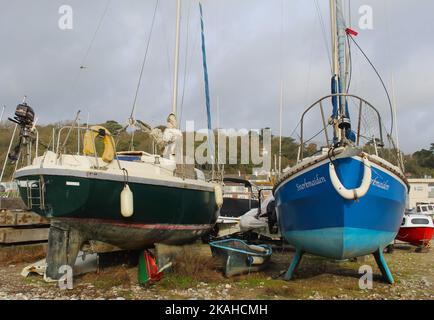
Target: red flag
{"x": 351, "y": 32}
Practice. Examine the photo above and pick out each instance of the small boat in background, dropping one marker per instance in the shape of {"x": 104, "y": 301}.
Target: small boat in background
{"x": 248, "y": 211}
{"x": 425, "y": 209}
{"x": 239, "y": 196}
{"x": 240, "y": 257}
{"x": 416, "y": 229}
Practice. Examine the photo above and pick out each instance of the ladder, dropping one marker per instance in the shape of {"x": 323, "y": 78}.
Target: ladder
{"x": 36, "y": 194}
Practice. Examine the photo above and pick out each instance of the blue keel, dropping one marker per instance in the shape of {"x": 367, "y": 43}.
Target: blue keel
{"x": 294, "y": 264}
{"x": 382, "y": 264}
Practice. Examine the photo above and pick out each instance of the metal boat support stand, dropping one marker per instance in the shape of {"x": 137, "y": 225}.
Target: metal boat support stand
{"x": 294, "y": 264}
{"x": 64, "y": 243}
{"x": 378, "y": 255}
{"x": 382, "y": 264}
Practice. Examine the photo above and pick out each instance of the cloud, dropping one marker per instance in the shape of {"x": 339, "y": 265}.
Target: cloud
{"x": 247, "y": 55}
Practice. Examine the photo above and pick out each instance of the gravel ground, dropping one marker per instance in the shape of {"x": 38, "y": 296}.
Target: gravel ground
{"x": 316, "y": 278}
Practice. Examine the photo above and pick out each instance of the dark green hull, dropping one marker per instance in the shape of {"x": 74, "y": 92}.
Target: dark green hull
{"x": 164, "y": 214}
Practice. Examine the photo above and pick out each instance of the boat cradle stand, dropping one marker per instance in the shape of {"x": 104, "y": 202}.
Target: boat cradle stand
{"x": 378, "y": 255}
{"x": 64, "y": 243}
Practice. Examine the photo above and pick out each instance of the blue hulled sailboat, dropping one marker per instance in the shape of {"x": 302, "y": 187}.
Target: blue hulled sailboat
{"x": 346, "y": 201}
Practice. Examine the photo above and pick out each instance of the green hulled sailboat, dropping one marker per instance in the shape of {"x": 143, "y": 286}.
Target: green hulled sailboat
{"x": 130, "y": 199}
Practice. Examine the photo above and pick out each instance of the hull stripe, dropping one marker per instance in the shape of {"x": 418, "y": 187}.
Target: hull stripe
{"x": 140, "y": 225}
{"x": 167, "y": 181}
{"x": 319, "y": 164}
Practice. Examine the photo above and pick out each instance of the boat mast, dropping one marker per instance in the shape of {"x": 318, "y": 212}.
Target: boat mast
{"x": 341, "y": 37}
{"x": 338, "y": 37}
{"x": 3, "y": 111}
{"x": 333, "y": 25}
{"x": 207, "y": 95}
{"x": 280, "y": 127}
{"x": 335, "y": 69}
{"x": 176, "y": 64}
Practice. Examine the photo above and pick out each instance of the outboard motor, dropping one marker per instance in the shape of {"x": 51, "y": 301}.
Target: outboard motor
{"x": 24, "y": 118}
{"x": 270, "y": 213}
{"x": 272, "y": 217}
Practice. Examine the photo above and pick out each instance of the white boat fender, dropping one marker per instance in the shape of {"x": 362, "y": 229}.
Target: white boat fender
{"x": 352, "y": 194}
{"x": 218, "y": 192}
{"x": 255, "y": 260}
{"x": 127, "y": 202}
{"x": 257, "y": 248}
{"x": 127, "y": 199}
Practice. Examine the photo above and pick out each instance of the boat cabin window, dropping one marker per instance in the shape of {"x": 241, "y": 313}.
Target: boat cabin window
{"x": 430, "y": 208}
{"x": 424, "y": 209}
{"x": 419, "y": 221}
{"x": 418, "y": 209}
{"x": 403, "y": 222}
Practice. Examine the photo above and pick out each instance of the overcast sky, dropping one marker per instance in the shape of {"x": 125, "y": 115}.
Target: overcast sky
{"x": 248, "y": 54}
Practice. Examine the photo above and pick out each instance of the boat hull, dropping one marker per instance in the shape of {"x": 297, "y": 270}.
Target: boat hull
{"x": 162, "y": 214}
{"x": 316, "y": 219}
{"x": 418, "y": 236}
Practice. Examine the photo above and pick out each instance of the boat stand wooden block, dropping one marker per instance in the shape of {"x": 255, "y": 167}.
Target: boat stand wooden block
{"x": 64, "y": 244}
{"x": 17, "y": 235}
{"x": 21, "y": 218}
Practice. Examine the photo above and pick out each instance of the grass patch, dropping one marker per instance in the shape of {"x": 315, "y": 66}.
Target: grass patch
{"x": 109, "y": 278}
{"x": 23, "y": 254}
{"x": 198, "y": 268}
{"x": 173, "y": 281}
{"x": 36, "y": 281}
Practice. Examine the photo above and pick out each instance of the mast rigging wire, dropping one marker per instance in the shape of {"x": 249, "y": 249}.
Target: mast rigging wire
{"x": 186, "y": 64}
{"x": 143, "y": 64}
{"x": 89, "y": 48}
{"x": 324, "y": 34}
{"x": 380, "y": 78}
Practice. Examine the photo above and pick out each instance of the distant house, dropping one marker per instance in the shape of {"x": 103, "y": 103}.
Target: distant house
{"x": 421, "y": 191}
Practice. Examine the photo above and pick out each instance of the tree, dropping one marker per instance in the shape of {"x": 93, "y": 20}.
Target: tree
{"x": 112, "y": 126}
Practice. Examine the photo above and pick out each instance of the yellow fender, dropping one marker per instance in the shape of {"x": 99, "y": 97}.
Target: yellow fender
{"x": 89, "y": 141}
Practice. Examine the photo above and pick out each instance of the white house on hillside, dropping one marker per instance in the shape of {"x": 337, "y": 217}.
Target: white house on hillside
{"x": 421, "y": 191}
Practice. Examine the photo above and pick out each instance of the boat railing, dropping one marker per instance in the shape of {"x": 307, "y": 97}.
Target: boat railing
{"x": 58, "y": 146}
{"x": 60, "y": 149}
{"x": 361, "y": 103}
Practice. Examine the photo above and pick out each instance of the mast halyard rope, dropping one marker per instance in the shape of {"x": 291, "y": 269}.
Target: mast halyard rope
{"x": 131, "y": 120}
{"x": 186, "y": 64}
{"x": 380, "y": 78}
{"x": 324, "y": 33}
{"x": 176, "y": 64}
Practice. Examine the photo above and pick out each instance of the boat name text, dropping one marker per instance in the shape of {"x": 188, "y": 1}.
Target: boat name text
{"x": 312, "y": 183}
{"x": 381, "y": 185}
